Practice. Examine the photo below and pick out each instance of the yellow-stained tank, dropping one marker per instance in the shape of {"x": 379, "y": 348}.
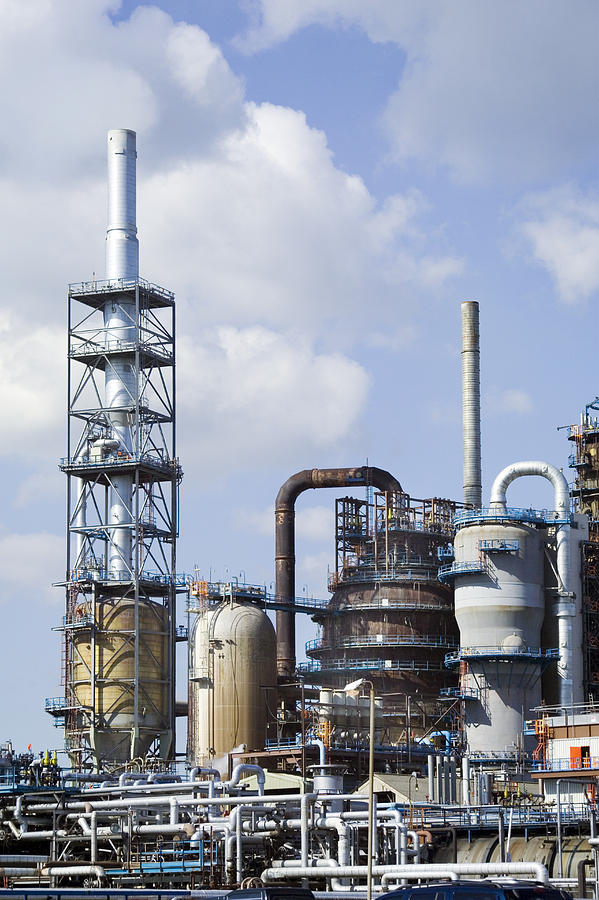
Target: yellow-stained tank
{"x": 113, "y": 738}
{"x": 233, "y": 678}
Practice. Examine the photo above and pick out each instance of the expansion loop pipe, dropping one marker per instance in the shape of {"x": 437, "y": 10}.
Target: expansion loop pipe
{"x": 565, "y": 608}
{"x": 285, "y": 541}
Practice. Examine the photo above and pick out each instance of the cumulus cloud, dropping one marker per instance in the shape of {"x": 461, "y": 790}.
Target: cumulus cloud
{"x": 562, "y": 229}
{"x": 312, "y": 523}
{"x": 272, "y": 392}
{"x": 32, "y": 387}
{"x": 486, "y": 89}
{"x": 270, "y": 230}
{"x": 28, "y": 563}
{"x": 241, "y": 210}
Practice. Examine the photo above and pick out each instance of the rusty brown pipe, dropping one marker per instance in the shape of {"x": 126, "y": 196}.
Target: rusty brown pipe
{"x": 285, "y": 541}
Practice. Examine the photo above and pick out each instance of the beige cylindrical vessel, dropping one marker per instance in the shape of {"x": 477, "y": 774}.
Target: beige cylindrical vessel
{"x": 233, "y": 678}
{"x": 113, "y": 738}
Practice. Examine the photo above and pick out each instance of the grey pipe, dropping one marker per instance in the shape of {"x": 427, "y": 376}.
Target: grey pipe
{"x": 471, "y": 404}
{"x": 285, "y": 542}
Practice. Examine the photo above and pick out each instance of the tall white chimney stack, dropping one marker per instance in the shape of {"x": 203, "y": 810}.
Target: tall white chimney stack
{"x": 122, "y": 248}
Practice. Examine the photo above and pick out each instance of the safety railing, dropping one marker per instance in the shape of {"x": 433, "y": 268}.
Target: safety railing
{"x": 459, "y": 693}
{"x": 102, "y": 348}
{"x": 510, "y": 513}
{"x": 530, "y": 653}
{"x": 112, "y": 285}
{"x": 382, "y": 665}
{"x": 498, "y": 546}
{"x": 55, "y": 703}
{"x": 382, "y": 640}
{"x": 575, "y": 763}
{"x": 383, "y": 603}
{"x": 121, "y": 459}
{"x": 89, "y": 574}
{"x": 367, "y": 574}
{"x": 448, "y": 573}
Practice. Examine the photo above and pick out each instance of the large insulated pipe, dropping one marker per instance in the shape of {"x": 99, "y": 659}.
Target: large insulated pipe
{"x": 565, "y": 608}
{"x": 471, "y": 404}
{"x": 285, "y": 541}
{"x": 120, "y": 322}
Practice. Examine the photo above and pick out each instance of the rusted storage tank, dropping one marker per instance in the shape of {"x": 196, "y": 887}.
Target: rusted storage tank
{"x": 114, "y": 675}
{"x": 233, "y": 678}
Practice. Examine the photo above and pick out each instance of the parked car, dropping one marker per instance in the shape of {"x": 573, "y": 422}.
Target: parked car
{"x": 481, "y": 889}
{"x": 272, "y": 892}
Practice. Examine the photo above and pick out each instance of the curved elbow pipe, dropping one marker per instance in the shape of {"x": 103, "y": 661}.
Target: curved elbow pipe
{"x": 285, "y": 541}
{"x": 322, "y": 758}
{"x": 238, "y": 772}
{"x": 532, "y": 467}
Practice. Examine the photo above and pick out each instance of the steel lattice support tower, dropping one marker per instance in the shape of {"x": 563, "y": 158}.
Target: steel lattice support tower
{"x": 122, "y": 484}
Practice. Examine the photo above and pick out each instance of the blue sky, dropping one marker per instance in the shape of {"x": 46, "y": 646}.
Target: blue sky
{"x": 321, "y": 182}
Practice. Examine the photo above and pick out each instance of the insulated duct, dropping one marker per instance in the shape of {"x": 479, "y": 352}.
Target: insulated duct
{"x": 471, "y": 404}
{"x": 285, "y": 541}
{"x": 564, "y": 608}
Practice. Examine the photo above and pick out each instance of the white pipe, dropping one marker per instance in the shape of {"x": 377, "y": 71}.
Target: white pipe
{"x": 565, "y": 608}
{"x": 94, "y": 838}
{"x": 521, "y": 868}
{"x": 238, "y": 772}
{"x": 471, "y": 404}
{"x": 422, "y": 872}
{"x": 98, "y": 871}
{"x": 465, "y": 781}
{"x": 322, "y": 750}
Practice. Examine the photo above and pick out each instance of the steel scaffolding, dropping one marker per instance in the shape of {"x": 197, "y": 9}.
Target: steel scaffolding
{"x": 119, "y": 631}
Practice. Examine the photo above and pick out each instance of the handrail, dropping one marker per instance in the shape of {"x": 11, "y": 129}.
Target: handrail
{"x": 383, "y": 640}
{"x": 510, "y": 513}
{"x": 383, "y": 665}
{"x": 110, "y": 285}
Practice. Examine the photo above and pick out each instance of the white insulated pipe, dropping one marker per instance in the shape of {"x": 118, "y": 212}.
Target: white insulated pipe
{"x": 565, "y": 608}
{"x": 537, "y": 870}
{"x": 120, "y": 323}
{"x": 471, "y": 404}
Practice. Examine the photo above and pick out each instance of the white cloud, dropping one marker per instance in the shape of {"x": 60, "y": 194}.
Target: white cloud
{"x": 241, "y": 210}
{"x": 562, "y": 228}
{"x": 507, "y": 401}
{"x": 258, "y": 395}
{"x": 487, "y": 89}
{"x": 270, "y": 230}
{"x": 29, "y": 562}
{"x": 515, "y": 401}
{"x": 312, "y": 523}
{"x": 32, "y": 387}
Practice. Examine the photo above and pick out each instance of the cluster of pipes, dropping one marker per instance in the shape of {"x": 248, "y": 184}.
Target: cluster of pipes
{"x": 107, "y": 811}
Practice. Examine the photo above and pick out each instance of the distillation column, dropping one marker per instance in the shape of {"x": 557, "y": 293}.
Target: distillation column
{"x": 123, "y": 475}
